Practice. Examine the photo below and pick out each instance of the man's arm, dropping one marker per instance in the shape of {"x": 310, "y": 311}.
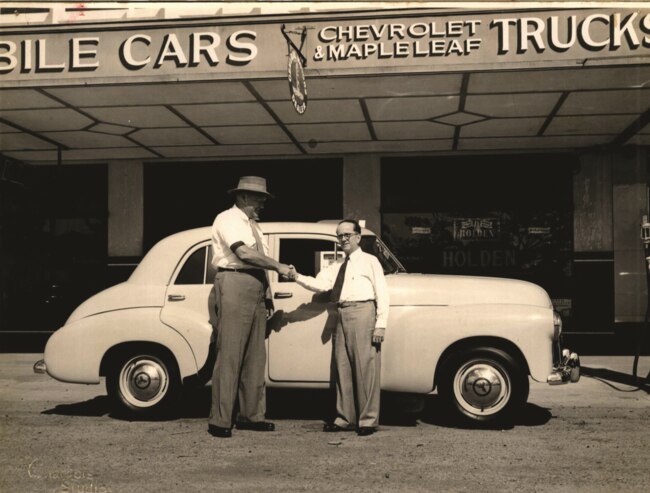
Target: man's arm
{"x": 253, "y": 257}
{"x": 324, "y": 280}
{"x": 382, "y": 301}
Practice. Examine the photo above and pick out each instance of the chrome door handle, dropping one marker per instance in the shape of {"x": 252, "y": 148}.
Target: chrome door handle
{"x": 175, "y": 297}
{"x": 282, "y": 295}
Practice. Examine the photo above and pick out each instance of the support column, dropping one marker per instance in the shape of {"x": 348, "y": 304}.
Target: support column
{"x": 362, "y": 190}
{"x": 592, "y": 275}
{"x": 125, "y": 209}
{"x": 630, "y": 204}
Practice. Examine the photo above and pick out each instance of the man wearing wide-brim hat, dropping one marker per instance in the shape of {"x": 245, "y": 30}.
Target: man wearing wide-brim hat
{"x": 242, "y": 293}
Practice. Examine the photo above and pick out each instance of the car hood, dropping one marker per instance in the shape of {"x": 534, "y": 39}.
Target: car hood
{"x": 431, "y": 289}
{"x": 122, "y": 296}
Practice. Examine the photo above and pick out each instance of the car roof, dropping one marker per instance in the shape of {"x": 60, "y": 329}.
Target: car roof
{"x": 159, "y": 263}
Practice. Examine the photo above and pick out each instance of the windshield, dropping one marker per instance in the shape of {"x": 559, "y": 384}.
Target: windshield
{"x": 373, "y": 245}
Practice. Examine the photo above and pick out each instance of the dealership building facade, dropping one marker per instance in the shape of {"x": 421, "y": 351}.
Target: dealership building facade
{"x": 481, "y": 141}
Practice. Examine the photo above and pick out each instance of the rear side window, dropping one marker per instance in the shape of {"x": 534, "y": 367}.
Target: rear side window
{"x": 193, "y": 271}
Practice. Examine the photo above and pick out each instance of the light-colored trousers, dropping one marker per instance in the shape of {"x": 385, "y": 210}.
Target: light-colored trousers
{"x": 241, "y": 353}
{"x": 358, "y": 364}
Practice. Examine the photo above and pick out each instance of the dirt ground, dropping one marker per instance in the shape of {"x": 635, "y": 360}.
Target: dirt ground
{"x": 592, "y": 436}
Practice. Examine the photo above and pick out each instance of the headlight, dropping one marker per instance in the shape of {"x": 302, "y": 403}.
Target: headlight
{"x": 557, "y": 325}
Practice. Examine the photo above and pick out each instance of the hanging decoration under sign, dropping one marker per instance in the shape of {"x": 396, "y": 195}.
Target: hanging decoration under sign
{"x": 295, "y": 69}
{"x": 297, "y": 83}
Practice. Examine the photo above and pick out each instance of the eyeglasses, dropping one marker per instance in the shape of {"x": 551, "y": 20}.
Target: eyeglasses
{"x": 345, "y": 236}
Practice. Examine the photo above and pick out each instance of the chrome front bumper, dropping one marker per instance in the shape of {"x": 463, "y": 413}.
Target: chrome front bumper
{"x": 40, "y": 366}
{"x": 567, "y": 371}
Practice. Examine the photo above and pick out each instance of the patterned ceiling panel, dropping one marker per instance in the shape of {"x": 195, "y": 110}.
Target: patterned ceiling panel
{"x": 213, "y": 115}
{"x": 368, "y": 87}
{"x": 412, "y": 130}
{"x": 14, "y": 99}
{"x": 503, "y": 127}
{"x": 137, "y": 116}
{"x": 602, "y": 102}
{"x": 328, "y": 132}
{"x": 170, "y": 137}
{"x": 319, "y": 111}
{"x": 6, "y": 129}
{"x": 541, "y": 143}
{"x": 83, "y": 155}
{"x": 33, "y": 156}
{"x": 154, "y": 94}
{"x": 18, "y": 141}
{"x": 225, "y": 151}
{"x": 252, "y": 134}
{"x": 509, "y": 105}
{"x": 47, "y": 120}
{"x": 585, "y": 125}
{"x": 641, "y": 140}
{"x": 88, "y": 140}
{"x": 559, "y": 80}
{"x": 417, "y": 108}
{"x": 376, "y": 146}
{"x": 343, "y": 115}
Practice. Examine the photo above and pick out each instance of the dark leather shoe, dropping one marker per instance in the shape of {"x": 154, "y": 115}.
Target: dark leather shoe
{"x": 364, "y": 431}
{"x": 255, "y": 426}
{"x": 218, "y": 431}
{"x": 334, "y": 428}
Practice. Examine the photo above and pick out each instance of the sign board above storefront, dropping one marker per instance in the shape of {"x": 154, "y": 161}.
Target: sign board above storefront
{"x": 341, "y": 44}
{"x": 484, "y": 39}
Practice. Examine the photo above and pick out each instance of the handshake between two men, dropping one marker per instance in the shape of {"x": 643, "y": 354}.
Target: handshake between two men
{"x": 288, "y": 272}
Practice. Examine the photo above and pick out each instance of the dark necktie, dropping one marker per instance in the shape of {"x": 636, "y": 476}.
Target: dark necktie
{"x": 335, "y": 296}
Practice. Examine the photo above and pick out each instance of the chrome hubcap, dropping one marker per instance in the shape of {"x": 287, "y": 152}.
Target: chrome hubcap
{"x": 482, "y": 387}
{"x": 144, "y": 381}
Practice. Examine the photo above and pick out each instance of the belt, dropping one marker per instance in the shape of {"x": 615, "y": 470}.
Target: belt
{"x": 345, "y": 304}
{"x": 245, "y": 270}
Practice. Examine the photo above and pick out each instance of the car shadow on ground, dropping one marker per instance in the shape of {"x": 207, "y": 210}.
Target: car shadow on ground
{"x": 97, "y": 406}
{"x": 606, "y": 376}
{"x": 304, "y": 405}
{"x": 435, "y": 413}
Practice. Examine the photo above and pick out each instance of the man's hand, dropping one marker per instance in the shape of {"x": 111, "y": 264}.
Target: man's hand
{"x": 270, "y": 309}
{"x": 293, "y": 274}
{"x": 378, "y": 335}
{"x": 284, "y": 270}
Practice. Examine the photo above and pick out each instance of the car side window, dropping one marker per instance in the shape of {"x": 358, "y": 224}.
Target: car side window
{"x": 193, "y": 271}
{"x": 209, "y": 278}
{"x": 309, "y": 256}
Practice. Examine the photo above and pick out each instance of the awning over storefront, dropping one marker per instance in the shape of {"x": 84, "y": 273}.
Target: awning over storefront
{"x": 393, "y": 81}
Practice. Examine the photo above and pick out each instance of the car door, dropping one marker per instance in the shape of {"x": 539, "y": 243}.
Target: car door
{"x": 300, "y": 339}
{"x": 189, "y": 300}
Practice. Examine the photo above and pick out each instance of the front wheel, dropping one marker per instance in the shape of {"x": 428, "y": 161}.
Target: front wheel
{"x": 142, "y": 383}
{"x": 483, "y": 385}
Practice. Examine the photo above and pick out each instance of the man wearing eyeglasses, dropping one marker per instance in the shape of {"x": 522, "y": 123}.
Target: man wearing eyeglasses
{"x": 360, "y": 292}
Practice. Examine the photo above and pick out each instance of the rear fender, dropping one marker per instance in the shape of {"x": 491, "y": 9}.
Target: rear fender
{"x": 74, "y": 352}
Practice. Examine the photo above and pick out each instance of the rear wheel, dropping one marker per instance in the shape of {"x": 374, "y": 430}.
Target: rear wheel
{"x": 483, "y": 385}
{"x": 143, "y": 383}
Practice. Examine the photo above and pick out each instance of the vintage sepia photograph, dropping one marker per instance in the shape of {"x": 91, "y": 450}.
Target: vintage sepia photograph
{"x": 355, "y": 246}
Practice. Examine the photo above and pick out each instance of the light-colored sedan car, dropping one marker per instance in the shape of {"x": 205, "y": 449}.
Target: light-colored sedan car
{"x": 477, "y": 340}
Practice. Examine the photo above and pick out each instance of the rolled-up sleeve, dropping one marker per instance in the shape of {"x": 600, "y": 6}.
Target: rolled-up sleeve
{"x": 381, "y": 293}
{"x": 233, "y": 231}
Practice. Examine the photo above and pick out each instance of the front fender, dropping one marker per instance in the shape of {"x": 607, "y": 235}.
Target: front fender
{"x": 417, "y": 336}
{"x": 75, "y": 351}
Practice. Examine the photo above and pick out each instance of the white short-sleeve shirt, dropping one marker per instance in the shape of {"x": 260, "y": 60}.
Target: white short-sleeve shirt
{"x": 230, "y": 227}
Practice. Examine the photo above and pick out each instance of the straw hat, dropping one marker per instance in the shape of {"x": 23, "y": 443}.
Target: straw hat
{"x": 255, "y": 184}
